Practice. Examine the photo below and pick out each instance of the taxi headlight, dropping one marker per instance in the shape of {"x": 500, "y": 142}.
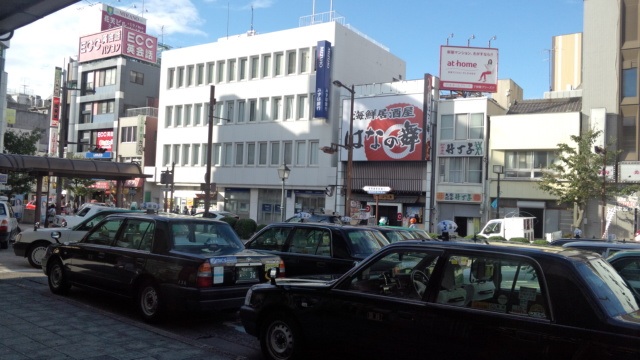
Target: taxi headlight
{"x": 18, "y": 237}
{"x": 247, "y": 298}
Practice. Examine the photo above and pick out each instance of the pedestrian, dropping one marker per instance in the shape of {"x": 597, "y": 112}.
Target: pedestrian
{"x": 577, "y": 233}
{"x": 383, "y": 221}
{"x": 412, "y": 222}
{"x": 185, "y": 211}
{"x": 444, "y": 227}
{"x": 193, "y": 210}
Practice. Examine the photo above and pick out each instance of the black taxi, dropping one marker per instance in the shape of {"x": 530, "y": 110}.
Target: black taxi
{"x": 161, "y": 261}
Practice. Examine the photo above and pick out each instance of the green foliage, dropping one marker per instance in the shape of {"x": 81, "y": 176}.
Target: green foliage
{"x": 245, "y": 228}
{"x": 261, "y": 226}
{"x": 433, "y": 235}
{"x": 230, "y": 220}
{"x": 520, "y": 240}
{"x": 496, "y": 238}
{"x": 540, "y": 242}
{"x": 24, "y": 143}
{"x": 576, "y": 175}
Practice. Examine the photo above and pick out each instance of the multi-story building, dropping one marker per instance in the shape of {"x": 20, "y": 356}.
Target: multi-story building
{"x": 264, "y": 116}
{"x": 610, "y": 103}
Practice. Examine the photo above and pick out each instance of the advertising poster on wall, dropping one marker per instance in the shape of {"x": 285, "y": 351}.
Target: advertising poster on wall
{"x": 118, "y": 41}
{"x": 386, "y": 128}
{"x": 104, "y": 139}
{"x": 468, "y": 69}
{"x": 112, "y": 17}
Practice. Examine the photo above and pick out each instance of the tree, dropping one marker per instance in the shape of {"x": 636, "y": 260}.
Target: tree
{"x": 24, "y": 143}
{"x": 576, "y": 175}
{"x": 80, "y": 187}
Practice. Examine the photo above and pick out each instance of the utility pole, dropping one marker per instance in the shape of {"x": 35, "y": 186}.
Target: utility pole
{"x": 207, "y": 173}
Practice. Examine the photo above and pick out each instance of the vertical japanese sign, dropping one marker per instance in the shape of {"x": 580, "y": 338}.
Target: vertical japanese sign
{"x": 428, "y": 114}
{"x": 386, "y": 128}
{"x": 468, "y": 69}
{"x": 55, "y": 101}
{"x": 140, "y": 135}
{"x": 323, "y": 79}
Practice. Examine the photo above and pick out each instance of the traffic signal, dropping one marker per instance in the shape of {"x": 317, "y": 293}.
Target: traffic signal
{"x": 163, "y": 177}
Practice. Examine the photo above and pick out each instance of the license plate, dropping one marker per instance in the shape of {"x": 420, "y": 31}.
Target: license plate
{"x": 247, "y": 273}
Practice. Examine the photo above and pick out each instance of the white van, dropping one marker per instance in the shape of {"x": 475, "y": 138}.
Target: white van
{"x": 511, "y": 227}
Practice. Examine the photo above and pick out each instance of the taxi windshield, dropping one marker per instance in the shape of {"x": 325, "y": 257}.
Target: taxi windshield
{"x": 610, "y": 288}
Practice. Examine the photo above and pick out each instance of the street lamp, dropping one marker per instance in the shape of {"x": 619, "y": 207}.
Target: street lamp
{"x": 498, "y": 169}
{"x": 283, "y": 173}
{"x": 603, "y": 151}
{"x": 349, "y": 145}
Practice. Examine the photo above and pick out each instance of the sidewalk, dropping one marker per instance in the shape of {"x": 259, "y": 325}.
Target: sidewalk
{"x": 35, "y": 324}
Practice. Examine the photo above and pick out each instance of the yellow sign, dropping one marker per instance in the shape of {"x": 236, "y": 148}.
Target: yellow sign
{"x": 10, "y": 115}
{"x": 385, "y": 197}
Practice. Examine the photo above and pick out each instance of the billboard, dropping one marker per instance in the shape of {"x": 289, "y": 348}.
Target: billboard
{"x": 386, "y": 128}
{"x": 104, "y": 139}
{"x": 118, "y": 41}
{"x": 468, "y": 69}
{"x": 55, "y": 101}
{"x": 112, "y": 17}
{"x": 323, "y": 79}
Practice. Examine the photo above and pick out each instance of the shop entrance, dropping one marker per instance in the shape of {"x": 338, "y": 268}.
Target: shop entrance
{"x": 391, "y": 212}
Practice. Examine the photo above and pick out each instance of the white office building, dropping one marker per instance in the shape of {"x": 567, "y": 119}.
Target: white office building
{"x": 265, "y": 101}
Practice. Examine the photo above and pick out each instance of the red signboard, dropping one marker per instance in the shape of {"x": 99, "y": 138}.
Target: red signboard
{"x": 55, "y": 112}
{"x": 105, "y": 139}
{"x": 115, "y": 42}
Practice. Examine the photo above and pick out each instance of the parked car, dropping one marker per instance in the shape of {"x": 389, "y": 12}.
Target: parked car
{"x": 217, "y": 215}
{"x": 320, "y": 218}
{"x": 86, "y": 210}
{"x": 317, "y": 248}
{"x": 8, "y": 225}
{"x": 33, "y": 244}
{"x": 604, "y": 248}
{"x": 451, "y": 300}
{"x": 562, "y": 241}
{"x": 627, "y": 263}
{"x": 394, "y": 233}
{"x": 160, "y": 261}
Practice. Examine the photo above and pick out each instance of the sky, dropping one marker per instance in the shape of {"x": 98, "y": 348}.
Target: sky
{"x": 413, "y": 30}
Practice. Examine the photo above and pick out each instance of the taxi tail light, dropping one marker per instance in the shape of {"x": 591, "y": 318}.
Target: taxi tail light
{"x": 4, "y": 225}
{"x": 281, "y": 269}
{"x": 205, "y": 276}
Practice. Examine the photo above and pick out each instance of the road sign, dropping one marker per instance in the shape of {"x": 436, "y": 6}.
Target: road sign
{"x": 376, "y": 189}
{"x": 4, "y": 178}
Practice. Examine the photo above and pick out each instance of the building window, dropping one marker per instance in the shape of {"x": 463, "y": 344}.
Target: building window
{"x": 252, "y": 110}
{"x": 87, "y": 113}
{"x": 629, "y": 135}
{"x": 251, "y": 154}
{"x": 291, "y": 63}
{"x": 217, "y": 114}
{"x": 241, "y": 110}
{"x": 232, "y": 70}
{"x": 305, "y": 60}
{"x": 167, "y": 116}
{"x": 243, "y": 69}
{"x": 228, "y": 154}
{"x": 171, "y": 73}
{"x": 255, "y": 61}
{"x": 197, "y": 115}
{"x": 195, "y": 154}
{"x": 205, "y": 113}
{"x": 136, "y": 77}
{"x": 211, "y": 73}
{"x": 279, "y": 64}
{"x": 266, "y": 65}
{"x": 106, "y": 107}
{"x": 630, "y": 82}
{"x": 527, "y": 164}
{"x": 239, "y": 154}
{"x": 190, "y": 75}
{"x": 287, "y": 155}
{"x": 462, "y": 126}
{"x": 303, "y": 106}
{"x": 106, "y": 77}
{"x": 229, "y": 116}
{"x": 301, "y": 153}
{"x": 186, "y": 148}
{"x": 220, "y": 72}
{"x": 275, "y": 111}
{"x": 200, "y": 74}
{"x": 313, "y": 155}
{"x": 180, "y": 79}
{"x": 187, "y": 114}
{"x": 264, "y": 109}
{"x": 460, "y": 170}
{"x": 275, "y": 153}
{"x": 217, "y": 154}
{"x": 166, "y": 155}
{"x": 288, "y": 107}
{"x": 630, "y": 21}
{"x": 176, "y": 154}
{"x": 178, "y": 116}
{"x": 128, "y": 134}
{"x": 262, "y": 154}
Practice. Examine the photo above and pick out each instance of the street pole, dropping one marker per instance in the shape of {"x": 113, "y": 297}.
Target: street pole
{"x": 282, "y": 203}
{"x": 63, "y": 125}
{"x": 350, "y": 157}
{"x": 603, "y": 151}
{"x": 207, "y": 174}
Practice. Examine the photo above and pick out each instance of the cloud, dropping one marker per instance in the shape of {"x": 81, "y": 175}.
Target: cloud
{"x": 36, "y": 49}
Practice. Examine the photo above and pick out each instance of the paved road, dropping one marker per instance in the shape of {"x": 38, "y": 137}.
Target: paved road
{"x": 35, "y": 324}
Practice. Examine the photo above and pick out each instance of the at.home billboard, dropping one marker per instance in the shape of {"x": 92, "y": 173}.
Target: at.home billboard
{"x": 386, "y": 128}
{"x": 112, "y": 18}
{"x": 468, "y": 69}
{"x": 120, "y": 41}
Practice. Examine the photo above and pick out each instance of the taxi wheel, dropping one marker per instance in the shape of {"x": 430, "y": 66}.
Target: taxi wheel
{"x": 280, "y": 338}
{"x": 36, "y": 252}
{"x": 150, "y": 302}
{"x": 57, "y": 279}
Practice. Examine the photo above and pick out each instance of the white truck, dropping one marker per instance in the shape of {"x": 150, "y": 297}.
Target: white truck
{"x": 510, "y": 227}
